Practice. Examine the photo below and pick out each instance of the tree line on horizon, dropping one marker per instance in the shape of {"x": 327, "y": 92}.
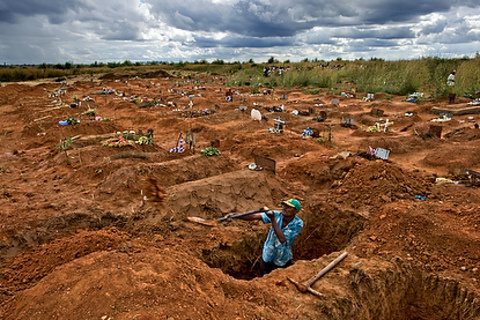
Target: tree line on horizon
{"x": 128, "y": 63}
{"x": 400, "y": 77}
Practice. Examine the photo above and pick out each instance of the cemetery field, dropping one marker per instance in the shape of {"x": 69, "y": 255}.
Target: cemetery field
{"x": 96, "y": 211}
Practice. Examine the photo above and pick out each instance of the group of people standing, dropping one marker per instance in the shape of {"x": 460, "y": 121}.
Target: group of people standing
{"x": 268, "y": 70}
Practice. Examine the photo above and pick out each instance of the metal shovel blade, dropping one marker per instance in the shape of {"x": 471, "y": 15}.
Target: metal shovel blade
{"x": 210, "y": 223}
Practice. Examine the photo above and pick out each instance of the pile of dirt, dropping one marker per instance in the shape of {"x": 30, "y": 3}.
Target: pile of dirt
{"x": 378, "y": 181}
{"x": 154, "y": 74}
{"x": 318, "y": 170}
{"x": 114, "y": 76}
{"x": 470, "y": 157}
{"x": 463, "y": 134}
{"x": 214, "y": 197}
{"x": 125, "y": 76}
{"x": 28, "y": 268}
{"x": 398, "y": 145}
{"x": 182, "y": 169}
{"x": 162, "y": 284}
{"x": 403, "y": 229}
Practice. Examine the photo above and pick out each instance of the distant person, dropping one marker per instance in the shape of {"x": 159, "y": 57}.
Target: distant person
{"x": 451, "y": 83}
{"x": 277, "y": 250}
{"x": 266, "y": 71}
{"x": 451, "y": 79}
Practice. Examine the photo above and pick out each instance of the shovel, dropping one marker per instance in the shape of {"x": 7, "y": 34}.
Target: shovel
{"x": 213, "y": 223}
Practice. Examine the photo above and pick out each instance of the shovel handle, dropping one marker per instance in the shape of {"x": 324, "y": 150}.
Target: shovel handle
{"x": 238, "y": 215}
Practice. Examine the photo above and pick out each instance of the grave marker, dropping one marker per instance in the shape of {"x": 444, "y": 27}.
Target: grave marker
{"x": 277, "y": 126}
{"x": 349, "y": 123}
{"x": 382, "y": 153}
{"x": 376, "y": 112}
{"x": 191, "y": 139}
{"x": 446, "y": 115}
{"x": 265, "y": 163}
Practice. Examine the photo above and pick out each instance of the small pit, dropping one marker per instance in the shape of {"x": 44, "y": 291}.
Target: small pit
{"x": 325, "y": 231}
{"x": 240, "y": 259}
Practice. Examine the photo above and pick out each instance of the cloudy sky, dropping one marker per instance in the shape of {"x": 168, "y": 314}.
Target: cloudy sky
{"x": 84, "y": 31}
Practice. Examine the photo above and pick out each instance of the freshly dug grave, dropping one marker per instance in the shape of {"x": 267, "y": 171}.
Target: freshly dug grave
{"x": 327, "y": 230}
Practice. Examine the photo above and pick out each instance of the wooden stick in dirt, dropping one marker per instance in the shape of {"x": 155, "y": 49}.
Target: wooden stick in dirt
{"x": 94, "y": 137}
{"x": 306, "y": 286}
{"x": 43, "y": 118}
{"x": 54, "y": 108}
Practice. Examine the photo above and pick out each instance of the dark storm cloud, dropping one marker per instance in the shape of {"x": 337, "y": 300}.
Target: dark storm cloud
{"x": 359, "y": 48}
{"x": 379, "y": 12}
{"x": 379, "y": 43}
{"x": 56, "y": 10}
{"x": 248, "y": 18}
{"x": 120, "y": 30}
{"x": 387, "y": 33}
{"x": 285, "y": 18}
{"x": 436, "y": 27}
{"x": 109, "y": 21}
{"x": 321, "y": 37}
{"x": 332, "y": 36}
{"x": 240, "y": 42}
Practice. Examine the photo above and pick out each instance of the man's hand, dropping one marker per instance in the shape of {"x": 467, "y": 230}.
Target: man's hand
{"x": 270, "y": 214}
{"x": 276, "y": 227}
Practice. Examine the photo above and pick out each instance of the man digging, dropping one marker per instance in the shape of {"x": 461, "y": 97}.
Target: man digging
{"x": 277, "y": 250}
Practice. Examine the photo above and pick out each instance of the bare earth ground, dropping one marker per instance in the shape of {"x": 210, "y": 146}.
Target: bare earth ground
{"x": 107, "y": 237}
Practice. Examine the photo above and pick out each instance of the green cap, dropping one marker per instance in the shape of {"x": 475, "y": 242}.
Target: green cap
{"x": 293, "y": 203}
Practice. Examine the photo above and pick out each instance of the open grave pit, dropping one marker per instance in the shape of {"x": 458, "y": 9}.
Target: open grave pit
{"x": 326, "y": 230}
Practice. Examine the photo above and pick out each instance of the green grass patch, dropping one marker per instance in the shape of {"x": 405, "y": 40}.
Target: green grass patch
{"x": 402, "y": 77}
